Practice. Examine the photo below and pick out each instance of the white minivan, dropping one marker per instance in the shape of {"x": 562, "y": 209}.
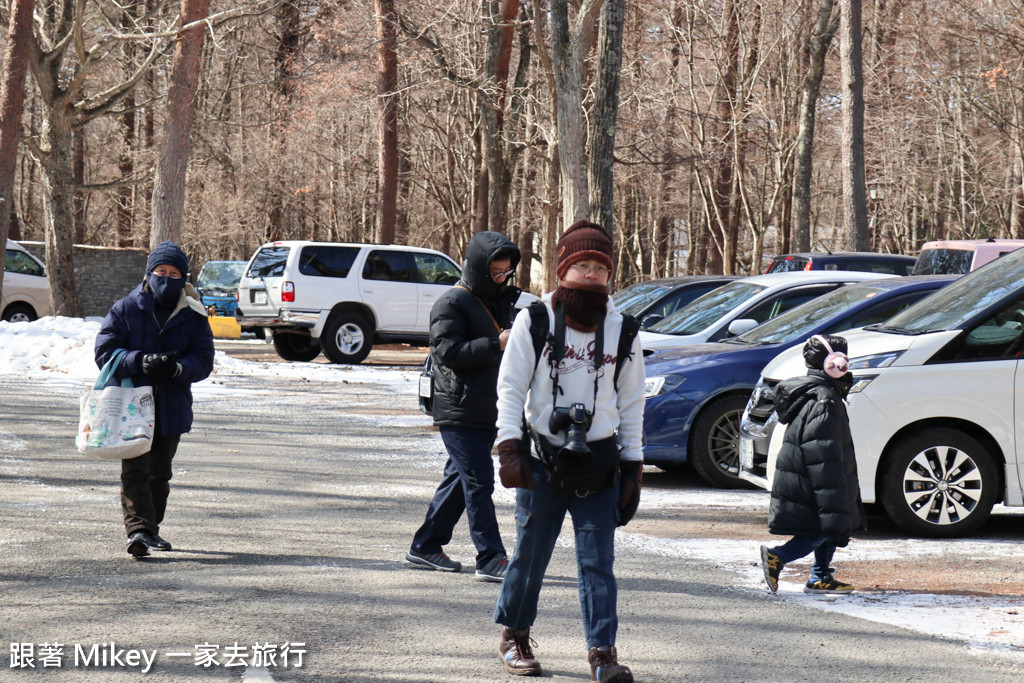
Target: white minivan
{"x": 937, "y": 405}
{"x": 26, "y": 292}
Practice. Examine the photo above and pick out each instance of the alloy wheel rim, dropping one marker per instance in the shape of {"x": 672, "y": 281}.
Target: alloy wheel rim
{"x": 942, "y": 485}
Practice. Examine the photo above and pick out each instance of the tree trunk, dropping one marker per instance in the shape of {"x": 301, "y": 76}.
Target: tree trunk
{"x": 570, "y": 126}
{"x": 172, "y": 166}
{"x": 724, "y": 174}
{"x": 125, "y": 207}
{"x": 605, "y": 114}
{"x": 855, "y": 214}
{"x": 12, "y": 96}
{"x": 387, "y": 122}
{"x": 57, "y": 141}
{"x": 824, "y": 30}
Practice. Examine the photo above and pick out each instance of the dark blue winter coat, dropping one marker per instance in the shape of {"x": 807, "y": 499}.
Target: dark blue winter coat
{"x": 131, "y": 325}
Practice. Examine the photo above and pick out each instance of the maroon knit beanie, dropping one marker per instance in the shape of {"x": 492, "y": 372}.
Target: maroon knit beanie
{"x": 583, "y": 241}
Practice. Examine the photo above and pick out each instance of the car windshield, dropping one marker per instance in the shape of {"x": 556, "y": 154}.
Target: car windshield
{"x": 943, "y": 262}
{"x": 787, "y": 264}
{"x": 635, "y": 298}
{"x": 960, "y": 301}
{"x": 798, "y": 322}
{"x": 221, "y": 275}
{"x": 700, "y": 313}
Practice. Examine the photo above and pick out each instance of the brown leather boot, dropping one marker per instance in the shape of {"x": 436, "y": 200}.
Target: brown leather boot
{"x": 605, "y": 667}
{"x": 516, "y": 652}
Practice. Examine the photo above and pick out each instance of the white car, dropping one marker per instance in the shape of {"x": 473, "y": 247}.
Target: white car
{"x": 936, "y": 407}
{"x": 26, "y": 292}
{"x": 743, "y": 304}
{"x": 341, "y": 298}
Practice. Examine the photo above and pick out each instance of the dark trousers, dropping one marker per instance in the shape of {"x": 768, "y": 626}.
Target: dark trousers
{"x": 467, "y": 484}
{"x": 145, "y": 485}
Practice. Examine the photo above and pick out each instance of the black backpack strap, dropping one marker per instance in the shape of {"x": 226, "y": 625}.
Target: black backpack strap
{"x": 630, "y": 328}
{"x": 539, "y": 331}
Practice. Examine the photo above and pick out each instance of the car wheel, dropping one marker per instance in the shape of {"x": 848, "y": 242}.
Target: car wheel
{"x": 941, "y": 483}
{"x": 295, "y": 346}
{"x": 257, "y": 332}
{"x": 714, "y": 442}
{"x": 347, "y": 338}
{"x": 19, "y": 313}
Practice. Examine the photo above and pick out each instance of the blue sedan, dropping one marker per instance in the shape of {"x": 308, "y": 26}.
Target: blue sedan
{"x": 696, "y": 394}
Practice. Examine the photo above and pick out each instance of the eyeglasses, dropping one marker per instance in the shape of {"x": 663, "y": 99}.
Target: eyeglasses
{"x": 502, "y": 274}
{"x": 584, "y": 270}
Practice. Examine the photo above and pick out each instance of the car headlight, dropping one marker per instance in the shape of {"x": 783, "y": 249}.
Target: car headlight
{"x": 880, "y": 360}
{"x": 661, "y": 384}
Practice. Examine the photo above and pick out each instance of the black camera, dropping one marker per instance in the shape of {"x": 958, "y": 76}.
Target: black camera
{"x": 575, "y": 420}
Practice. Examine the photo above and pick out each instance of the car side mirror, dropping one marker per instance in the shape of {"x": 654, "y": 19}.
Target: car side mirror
{"x": 651, "y": 320}
{"x": 741, "y": 325}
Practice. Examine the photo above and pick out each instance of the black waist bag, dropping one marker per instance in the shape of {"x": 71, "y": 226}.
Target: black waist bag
{"x": 575, "y": 476}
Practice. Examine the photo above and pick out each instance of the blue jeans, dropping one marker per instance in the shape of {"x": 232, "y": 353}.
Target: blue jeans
{"x": 801, "y": 546}
{"x": 467, "y": 484}
{"x": 539, "y": 517}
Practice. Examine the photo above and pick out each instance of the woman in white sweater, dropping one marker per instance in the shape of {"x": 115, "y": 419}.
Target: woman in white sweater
{"x": 583, "y": 455}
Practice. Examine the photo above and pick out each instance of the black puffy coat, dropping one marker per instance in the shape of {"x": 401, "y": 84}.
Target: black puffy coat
{"x": 815, "y": 491}
{"x": 464, "y": 328}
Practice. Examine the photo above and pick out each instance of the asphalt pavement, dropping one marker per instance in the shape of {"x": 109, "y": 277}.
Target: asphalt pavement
{"x": 291, "y": 508}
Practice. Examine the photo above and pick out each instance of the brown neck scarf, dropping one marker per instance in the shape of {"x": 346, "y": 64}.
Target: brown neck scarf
{"x": 583, "y": 303}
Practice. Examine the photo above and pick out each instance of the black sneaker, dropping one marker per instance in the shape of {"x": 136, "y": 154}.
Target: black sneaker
{"x": 605, "y": 667}
{"x": 494, "y": 570}
{"x": 138, "y": 544}
{"x": 157, "y": 543}
{"x": 438, "y": 561}
{"x": 772, "y": 566}
{"x": 828, "y": 586}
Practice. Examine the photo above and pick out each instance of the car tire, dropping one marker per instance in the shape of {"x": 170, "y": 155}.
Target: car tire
{"x": 714, "y": 442}
{"x": 19, "y": 313}
{"x": 347, "y": 338}
{"x": 941, "y": 483}
{"x": 257, "y": 332}
{"x": 295, "y": 346}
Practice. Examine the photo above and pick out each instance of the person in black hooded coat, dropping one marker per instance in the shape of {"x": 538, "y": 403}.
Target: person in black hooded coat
{"x": 469, "y": 327}
{"x": 815, "y": 495}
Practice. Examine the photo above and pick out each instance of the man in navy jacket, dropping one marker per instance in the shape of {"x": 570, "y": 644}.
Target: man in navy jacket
{"x": 164, "y": 328}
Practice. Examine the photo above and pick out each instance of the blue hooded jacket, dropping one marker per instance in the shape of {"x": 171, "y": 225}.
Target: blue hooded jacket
{"x": 131, "y": 325}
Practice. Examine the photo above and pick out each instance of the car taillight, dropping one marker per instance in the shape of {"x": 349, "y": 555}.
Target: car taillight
{"x": 288, "y": 292}
{"x": 807, "y": 266}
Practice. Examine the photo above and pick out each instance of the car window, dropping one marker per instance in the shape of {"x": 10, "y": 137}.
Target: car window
{"x": 681, "y": 297}
{"x": 997, "y": 337}
{"x": 787, "y": 264}
{"x": 702, "y": 312}
{"x": 435, "y": 269}
{"x": 269, "y": 262}
{"x": 327, "y": 261}
{"x": 635, "y": 298}
{"x": 876, "y": 314}
{"x": 218, "y": 275}
{"x": 387, "y": 265}
{"x": 784, "y": 301}
{"x": 22, "y": 263}
{"x": 800, "y": 320}
{"x": 944, "y": 261}
{"x": 956, "y": 304}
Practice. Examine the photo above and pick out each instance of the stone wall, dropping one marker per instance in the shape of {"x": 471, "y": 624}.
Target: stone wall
{"x": 102, "y": 274}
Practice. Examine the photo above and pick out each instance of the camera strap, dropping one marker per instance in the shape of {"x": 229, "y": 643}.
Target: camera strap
{"x": 558, "y": 352}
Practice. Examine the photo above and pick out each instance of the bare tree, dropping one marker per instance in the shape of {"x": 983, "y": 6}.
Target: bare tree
{"x": 604, "y": 116}
{"x": 12, "y": 95}
{"x": 172, "y": 166}
{"x": 855, "y": 214}
{"x": 387, "y": 122}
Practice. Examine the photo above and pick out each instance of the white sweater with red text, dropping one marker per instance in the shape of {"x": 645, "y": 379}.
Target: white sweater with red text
{"x": 521, "y": 385}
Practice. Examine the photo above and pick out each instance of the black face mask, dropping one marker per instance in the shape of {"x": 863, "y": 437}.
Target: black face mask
{"x": 166, "y": 290}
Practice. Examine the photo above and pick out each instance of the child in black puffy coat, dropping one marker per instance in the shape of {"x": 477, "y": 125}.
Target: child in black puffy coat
{"x": 815, "y": 495}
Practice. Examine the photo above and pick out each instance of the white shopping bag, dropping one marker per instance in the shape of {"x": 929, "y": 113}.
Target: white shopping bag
{"x": 115, "y": 423}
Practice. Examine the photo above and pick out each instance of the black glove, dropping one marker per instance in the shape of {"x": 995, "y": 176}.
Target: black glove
{"x": 631, "y": 474}
{"x": 161, "y": 365}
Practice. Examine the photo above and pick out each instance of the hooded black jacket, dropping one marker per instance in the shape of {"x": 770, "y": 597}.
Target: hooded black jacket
{"x": 815, "y": 491}
{"x": 464, "y": 336}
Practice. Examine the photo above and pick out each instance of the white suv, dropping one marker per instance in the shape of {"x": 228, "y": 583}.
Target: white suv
{"x": 340, "y": 297}
{"x": 26, "y": 293}
{"x": 936, "y": 407}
